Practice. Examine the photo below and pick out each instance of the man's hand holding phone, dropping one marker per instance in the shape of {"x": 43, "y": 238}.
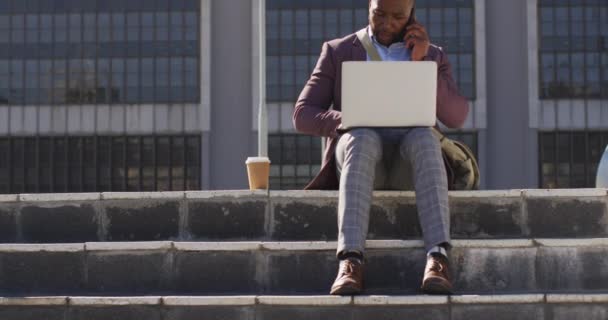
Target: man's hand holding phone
{"x": 417, "y": 40}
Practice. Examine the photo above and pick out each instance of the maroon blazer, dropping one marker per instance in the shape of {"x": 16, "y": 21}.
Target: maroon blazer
{"x": 312, "y": 114}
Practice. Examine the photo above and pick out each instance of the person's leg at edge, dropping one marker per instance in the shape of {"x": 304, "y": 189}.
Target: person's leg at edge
{"x": 357, "y": 157}
{"x": 423, "y": 150}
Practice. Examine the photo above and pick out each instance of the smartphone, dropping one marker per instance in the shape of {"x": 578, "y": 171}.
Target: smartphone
{"x": 411, "y": 20}
{"x": 412, "y": 17}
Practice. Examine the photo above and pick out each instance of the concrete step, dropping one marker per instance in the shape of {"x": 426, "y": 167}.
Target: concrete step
{"x": 496, "y": 307}
{"x": 225, "y": 268}
{"x": 291, "y": 216}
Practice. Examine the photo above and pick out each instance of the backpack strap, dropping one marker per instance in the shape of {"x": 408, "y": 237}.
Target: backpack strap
{"x": 366, "y": 41}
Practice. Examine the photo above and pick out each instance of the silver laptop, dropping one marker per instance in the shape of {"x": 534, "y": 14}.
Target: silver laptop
{"x": 389, "y": 94}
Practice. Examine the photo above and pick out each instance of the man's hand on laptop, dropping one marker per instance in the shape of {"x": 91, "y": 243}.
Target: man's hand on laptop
{"x": 417, "y": 40}
{"x": 339, "y": 130}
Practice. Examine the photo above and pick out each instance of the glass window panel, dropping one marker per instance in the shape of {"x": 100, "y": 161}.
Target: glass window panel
{"x": 177, "y": 72}
{"x": 30, "y": 167}
{"x": 132, "y": 72}
{"x": 104, "y": 27}
{"x": 4, "y": 35}
{"x": 163, "y": 153}
{"x": 118, "y": 164}
{"x": 191, "y": 34}
{"x": 4, "y": 67}
{"x": 75, "y": 164}
{"x": 177, "y": 163}
{"x": 31, "y": 21}
{"x": 191, "y": 19}
{"x": 162, "y": 72}
{"x": 4, "y": 82}
{"x": 89, "y": 164}
{"x": 193, "y": 162}
{"x": 133, "y": 164}
{"x": 31, "y": 71}
{"x": 60, "y": 164}
{"x": 147, "y": 19}
{"x": 18, "y": 177}
{"x": 60, "y": 26}
{"x": 5, "y": 21}
{"x": 4, "y": 166}
{"x": 148, "y": 163}
{"x": 104, "y": 163}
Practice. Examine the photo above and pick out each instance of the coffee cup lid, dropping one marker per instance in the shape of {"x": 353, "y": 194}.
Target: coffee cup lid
{"x": 257, "y": 160}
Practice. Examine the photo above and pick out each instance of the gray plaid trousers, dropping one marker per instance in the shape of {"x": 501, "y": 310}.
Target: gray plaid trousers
{"x": 389, "y": 159}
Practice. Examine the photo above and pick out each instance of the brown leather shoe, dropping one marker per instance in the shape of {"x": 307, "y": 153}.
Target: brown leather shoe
{"x": 437, "y": 275}
{"x": 350, "y": 278}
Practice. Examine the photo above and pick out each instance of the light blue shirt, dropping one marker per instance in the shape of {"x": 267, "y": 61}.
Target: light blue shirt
{"x": 395, "y": 52}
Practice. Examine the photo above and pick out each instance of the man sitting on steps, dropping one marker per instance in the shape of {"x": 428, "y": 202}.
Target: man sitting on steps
{"x": 361, "y": 160}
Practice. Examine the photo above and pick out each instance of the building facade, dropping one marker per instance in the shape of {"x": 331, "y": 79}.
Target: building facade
{"x": 107, "y": 95}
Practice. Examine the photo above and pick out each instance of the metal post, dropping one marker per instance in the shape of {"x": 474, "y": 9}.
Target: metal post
{"x": 262, "y": 112}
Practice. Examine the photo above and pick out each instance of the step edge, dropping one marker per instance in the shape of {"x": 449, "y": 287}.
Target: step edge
{"x": 379, "y": 300}
{"x": 577, "y": 298}
{"x": 292, "y": 245}
{"x": 34, "y": 301}
{"x": 497, "y": 299}
{"x": 114, "y": 301}
{"x": 57, "y": 197}
{"x": 168, "y": 195}
{"x": 225, "y": 194}
{"x": 209, "y": 300}
{"x": 128, "y": 246}
{"x": 311, "y": 301}
{"x": 304, "y": 300}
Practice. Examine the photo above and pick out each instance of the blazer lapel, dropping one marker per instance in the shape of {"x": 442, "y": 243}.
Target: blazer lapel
{"x": 358, "y": 51}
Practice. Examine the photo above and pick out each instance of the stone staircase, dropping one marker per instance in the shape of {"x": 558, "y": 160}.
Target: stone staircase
{"x": 518, "y": 254}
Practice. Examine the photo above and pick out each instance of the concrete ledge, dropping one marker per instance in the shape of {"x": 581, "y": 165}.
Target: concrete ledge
{"x": 210, "y": 301}
{"x": 225, "y": 194}
{"x": 9, "y": 198}
{"x": 312, "y": 301}
{"x": 485, "y": 194}
{"x": 577, "y": 298}
{"x": 491, "y": 243}
{"x": 304, "y": 300}
{"x": 394, "y": 195}
{"x": 34, "y": 301}
{"x": 142, "y": 195}
{"x": 128, "y": 246}
{"x": 300, "y": 246}
{"x": 498, "y": 299}
{"x": 301, "y": 194}
{"x": 567, "y": 193}
{"x": 389, "y": 244}
{"x": 113, "y": 301}
{"x": 295, "y": 245}
{"x": 298, "y": 194}
{"x": 217, "y": 246}
{"x": 9, "y": 248}
{"x": 594, "y": 242}
{"x": 56, "y": 197}
{"x": 399, "y": 300}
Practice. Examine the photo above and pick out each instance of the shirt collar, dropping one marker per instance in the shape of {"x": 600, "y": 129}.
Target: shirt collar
{"x": 376, "y": 43}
